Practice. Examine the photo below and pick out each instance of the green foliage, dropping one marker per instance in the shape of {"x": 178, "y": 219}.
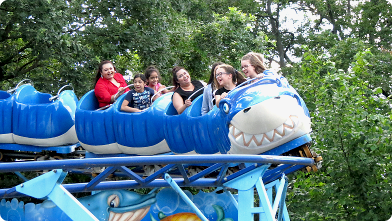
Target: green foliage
{"x": 60, "y": 42}
{"x": 35, "y": 44}
{"x": 351, "y": 126}
{"x": 345, "y": 65}
{"x": 225, "y": 39}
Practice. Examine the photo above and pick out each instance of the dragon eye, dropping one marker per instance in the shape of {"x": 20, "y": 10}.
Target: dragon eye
{"x": 113, "y": 201}
{"x": 226, "y": 108}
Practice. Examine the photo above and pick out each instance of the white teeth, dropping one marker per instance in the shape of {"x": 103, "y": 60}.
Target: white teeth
{"x": 138, "y": 215}
{"x": 259, "y": 137}
{"x": 295, "y": 119}
{"x": 247, "y": 137}
{"x": 239, "y": 140}
{"x": 252, "y": 141}
{"x": 287, "y": 130}
{"x": 270, "y": 134}
{"x": 129, "y": 216}
{"x": 265, "y": 141}
{"x": 111, "y": 216}
{"x": 116, "y": 217}
{"x": 252, "y": 144}
{"x": 280, "y": 129}
{"x": 236, "y": 132}
{"x": 289, "y": 123}
{"x": 126, "y": 216}
{"x": 277, "y": 137}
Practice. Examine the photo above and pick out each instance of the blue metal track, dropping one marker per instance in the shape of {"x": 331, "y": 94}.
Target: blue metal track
{"x": 175, "y": 165}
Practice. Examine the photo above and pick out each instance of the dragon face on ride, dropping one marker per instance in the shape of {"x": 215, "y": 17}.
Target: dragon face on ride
{"x": 262, "y": 115}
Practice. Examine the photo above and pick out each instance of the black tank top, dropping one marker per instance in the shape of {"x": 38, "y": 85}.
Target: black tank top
{"x": 185, "y": 94}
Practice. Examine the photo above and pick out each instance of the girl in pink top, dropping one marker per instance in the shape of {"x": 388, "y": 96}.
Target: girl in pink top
{"x": 153, "y": 78}
{"x": 109, "y": 84}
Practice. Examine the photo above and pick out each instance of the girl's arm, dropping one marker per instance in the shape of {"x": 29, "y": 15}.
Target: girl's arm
{"x": 155, "y": 97}
{"x": 178, "y": 103}
{"x": 205, "y": 106}
{"x": 163, "y": 91}
{"x": 125, "y": 107}
{"x": 219, "y": 98}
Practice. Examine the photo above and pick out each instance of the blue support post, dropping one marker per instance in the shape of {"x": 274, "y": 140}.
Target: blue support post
{"x": 268, "y": 208}
{"x": 283, "y": 213}
{"x": 174, "y": 185}
{"x": 231, "y": 198}
{"x": 50, "y": 188}
{"x": 21, "y": 176}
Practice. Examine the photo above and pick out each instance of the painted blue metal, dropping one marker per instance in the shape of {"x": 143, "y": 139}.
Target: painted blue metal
{"x": 231, "y": 197}
{"x": 268, "y": 208}
{"x": 174, "y": 185}
{"x": 280, "y": 193}
{"x": 283, "y": 213}
{"x": 152, "y": 160}
{"x": 172, "y": 162}
{"x": 275, "y": 173}
{"x": 265, "y": 203}
{"x": 289, "y": 145}
{"x": 100, "y": 178}
{"x": 50, "y": 188}
{"x": 240, "y": 183}
{"x": 21, "y": 176}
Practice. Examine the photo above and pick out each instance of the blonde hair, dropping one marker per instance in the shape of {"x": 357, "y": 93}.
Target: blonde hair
{"x": 256, "y": 60}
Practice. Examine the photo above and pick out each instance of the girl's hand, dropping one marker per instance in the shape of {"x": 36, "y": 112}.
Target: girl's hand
{"x": 223, "y": 95}
{"x": 121, "y": 90}
{"x": 188, "y": 102}
{"x": 119, "y": 93}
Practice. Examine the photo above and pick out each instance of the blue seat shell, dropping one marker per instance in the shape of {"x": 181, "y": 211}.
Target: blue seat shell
{"x": 39, "y": 121}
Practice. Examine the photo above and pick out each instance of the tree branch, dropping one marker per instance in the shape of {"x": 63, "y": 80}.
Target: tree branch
{"x": 83, "y": 25}
{"x": 10, "y": 58}
{"x": 35, "y": 65}
{"x": 7, "y": 30}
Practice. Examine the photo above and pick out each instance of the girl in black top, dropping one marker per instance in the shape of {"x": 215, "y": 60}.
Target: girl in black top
{"x": 184, "y": 88}
{"x": 227, "y": 77}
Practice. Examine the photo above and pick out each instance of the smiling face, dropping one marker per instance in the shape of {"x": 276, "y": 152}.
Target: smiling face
{"x": 222, "y": 77}
{"x": 138, "y": 84}
{"x": 153, "y": 79}
{"x": 183, "y": 77}
{"x": 248, "y": 69}
{"x": 108, "y": 71}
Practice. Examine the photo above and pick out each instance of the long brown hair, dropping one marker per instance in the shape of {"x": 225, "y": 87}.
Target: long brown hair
{"x": 99, "y": 71}
{"x": 212, "y": 76}
{"x": 256, "y": 60}
{"x": 175, "y": 79}
{"x": 237, "y": 77}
